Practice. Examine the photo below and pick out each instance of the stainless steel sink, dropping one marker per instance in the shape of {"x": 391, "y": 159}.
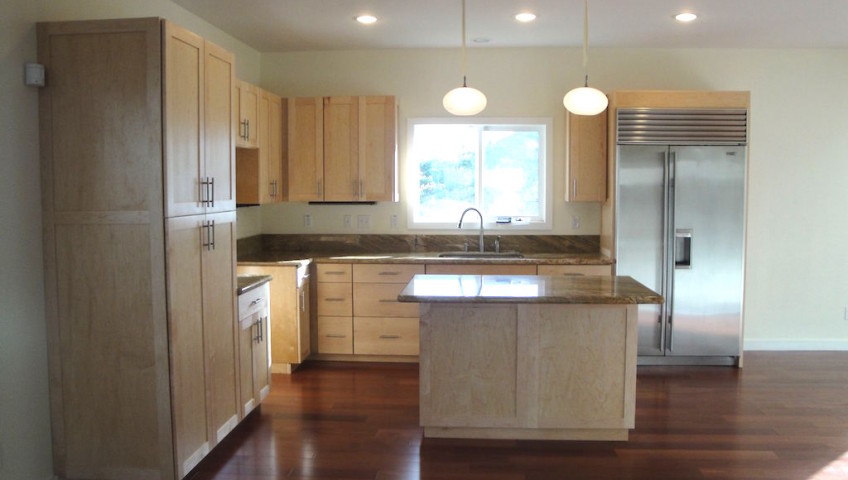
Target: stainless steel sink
{"x": 481, "y": 255}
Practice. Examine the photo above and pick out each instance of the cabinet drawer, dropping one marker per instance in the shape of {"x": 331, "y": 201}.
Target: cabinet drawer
{"x": 385, "y": 273}
{"x": 481, "y": 269}
{"x": 380, "y": 300}
{"x": 335, "y": 335}
{"x": 555, "y": 270}
{"x": 335, "y": 299}
{"x": 333, "y": 272}
{"x": 253, "y": 301}
{"x": 385, "y": 336}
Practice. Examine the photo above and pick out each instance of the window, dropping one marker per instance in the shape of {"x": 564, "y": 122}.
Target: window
{"x": 498, "y": 167}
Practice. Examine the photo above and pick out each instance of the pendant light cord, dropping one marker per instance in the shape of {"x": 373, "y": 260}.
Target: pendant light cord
{"x": 464, "y": 61}
{"x": 585, "y": 42}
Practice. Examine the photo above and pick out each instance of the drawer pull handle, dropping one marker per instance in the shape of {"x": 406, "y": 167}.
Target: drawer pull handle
{"x": 391, "y": 274}
{"x": 335, "y": 335}
{"x": 334, "y": 273}
{"x": 387, "y": 300}
{"x": 390, "y": 337}
{"x": 255, "y": 302}
{"x": 334, "y": 299}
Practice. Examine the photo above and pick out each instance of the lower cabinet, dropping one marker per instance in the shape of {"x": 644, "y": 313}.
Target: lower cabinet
{"x": 381, "y": 324}
{"x": 289, "y": 330}
{"x": 254, "y": 348}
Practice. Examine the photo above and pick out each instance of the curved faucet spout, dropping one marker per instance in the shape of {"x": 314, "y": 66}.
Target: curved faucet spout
{"x": 461, "y": 217}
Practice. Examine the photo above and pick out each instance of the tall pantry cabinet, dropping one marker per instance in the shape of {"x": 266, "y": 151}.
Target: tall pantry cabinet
{"x": 137, "y": 144}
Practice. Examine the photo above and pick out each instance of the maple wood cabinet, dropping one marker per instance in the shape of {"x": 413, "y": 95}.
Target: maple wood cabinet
{"x": 341, "y": 149}
{"x": 138, "y": 189}
{"x": 586, "y": 171}
{"x": 247, "y": 116}
{"x": 254, "y": 347}
{"x": 259, "y": 177}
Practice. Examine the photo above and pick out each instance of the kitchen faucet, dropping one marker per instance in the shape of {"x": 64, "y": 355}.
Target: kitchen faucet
{"x": 481, "y": 223}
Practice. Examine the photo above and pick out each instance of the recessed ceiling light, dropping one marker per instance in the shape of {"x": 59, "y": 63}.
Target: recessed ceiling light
{"x": 525, "y": 17}
{"x": 685, "y": 17}
{"x": 366, "y": 19}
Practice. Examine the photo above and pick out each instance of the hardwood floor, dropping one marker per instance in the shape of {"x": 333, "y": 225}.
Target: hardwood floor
{"x": 784, "y": 416}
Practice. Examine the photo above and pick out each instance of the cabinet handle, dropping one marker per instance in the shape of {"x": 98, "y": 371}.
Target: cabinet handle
{"x": 262, "y": 328}
{"x": 390, "y": 274}
{"x": 335, "y": 335}
{"x": 334, "y": 273}
{"x": 361, "y": 194}
{"x": 334, "y": 299}
{"x": 389, "y": 337}
{"x": 320, "y": 188}
{"x": 246, "y": 129}
{"x": 303, "y": 300}
{"x": 212, "y": 195}
{"x": 212, "y": 230}
{"x": 386, "y": 300}
{"x": 273, "y": 188}
{"x": 574, "y": 187}
{"x": 208, "y": 242}
{"x": 255, "y": 302}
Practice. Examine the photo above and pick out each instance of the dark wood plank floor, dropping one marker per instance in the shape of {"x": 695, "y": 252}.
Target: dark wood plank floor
{"x": 784, "y": 416}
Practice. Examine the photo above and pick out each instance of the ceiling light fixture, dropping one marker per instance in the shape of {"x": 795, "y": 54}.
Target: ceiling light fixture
{"x": 685, "y": 17}
{"x": 366, "y": 19}
{"x": 525, "y": 17}
{"x": 464, "y": 100}
{"x": 585, "y": 100}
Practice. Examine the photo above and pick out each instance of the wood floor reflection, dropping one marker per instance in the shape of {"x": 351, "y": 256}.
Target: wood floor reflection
{"x": 784, "y": 416}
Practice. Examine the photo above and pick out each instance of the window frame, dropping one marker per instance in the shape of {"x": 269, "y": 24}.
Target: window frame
{"x": 544, "y": 125}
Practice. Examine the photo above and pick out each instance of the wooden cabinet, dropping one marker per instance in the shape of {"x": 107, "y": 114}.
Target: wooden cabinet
{"x": 135, "y": 126}
{"x": 381, "y": 324}
{"x": 480, "y": 269}
{"x": 341, "y": 149}
{"x": 254, "y": 347}
{"x": 289, "y": 328}
{"x": 247, "y": 98}
{"x": 586, "y": 171}
{"x": 575, "y": 270}
{"x": 199, "y": 103}
{"x": 334, "y": 301}
{"x": 260, "y": 170}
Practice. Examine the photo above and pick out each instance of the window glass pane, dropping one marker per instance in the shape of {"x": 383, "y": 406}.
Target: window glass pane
{"x": 511, "y": 172}
{"x": 447, "y": 170}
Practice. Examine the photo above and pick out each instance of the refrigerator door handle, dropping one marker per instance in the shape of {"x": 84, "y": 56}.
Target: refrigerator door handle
{"x": 664, "y": 270}
{"x": 671, "y": 254}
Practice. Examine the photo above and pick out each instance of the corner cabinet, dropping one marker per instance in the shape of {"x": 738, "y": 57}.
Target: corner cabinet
{"x": 586, "y": 171}
{"x": 341, "y": 149}
{"x": 139, "y": 246}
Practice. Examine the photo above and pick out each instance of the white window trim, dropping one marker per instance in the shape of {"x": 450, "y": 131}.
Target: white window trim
{"x": 411, "y": 172}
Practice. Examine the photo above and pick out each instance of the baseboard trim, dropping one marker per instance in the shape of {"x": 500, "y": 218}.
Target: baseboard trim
{"x": 796, "y": 345}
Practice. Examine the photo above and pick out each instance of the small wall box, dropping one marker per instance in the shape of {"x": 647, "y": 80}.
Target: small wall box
{"x": 34, "y": 74}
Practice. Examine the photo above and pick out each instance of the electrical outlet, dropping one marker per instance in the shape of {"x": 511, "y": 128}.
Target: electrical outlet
{"x": 393, "y": 221}
{"x": 307, "y": 220}
{"x": 363, "y": 222}
{"x": 575, "y": 222}
{"x": 348, "y": 221}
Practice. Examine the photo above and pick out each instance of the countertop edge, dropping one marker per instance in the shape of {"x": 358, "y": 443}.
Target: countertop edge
{"x": 255, "y": 281}
{"x": 433, "y": 258}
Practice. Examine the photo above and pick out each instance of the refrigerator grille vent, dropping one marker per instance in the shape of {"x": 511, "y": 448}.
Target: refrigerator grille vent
{"x": 682, "y": 127}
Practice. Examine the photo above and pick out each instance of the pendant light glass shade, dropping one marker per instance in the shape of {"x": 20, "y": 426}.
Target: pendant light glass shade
{"x": 585, "y": 100}
{"x": 464, "y": 100}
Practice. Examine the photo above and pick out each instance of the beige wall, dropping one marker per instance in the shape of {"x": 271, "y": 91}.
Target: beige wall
{"x": 25, "y": 448}
{"x": 796, "y": 289}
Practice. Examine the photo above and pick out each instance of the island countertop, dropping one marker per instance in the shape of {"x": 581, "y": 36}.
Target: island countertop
{"x": 577, "y": 289}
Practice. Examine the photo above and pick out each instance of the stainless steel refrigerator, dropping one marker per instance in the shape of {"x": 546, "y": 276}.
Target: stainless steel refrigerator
{"x": 680, "y": 229}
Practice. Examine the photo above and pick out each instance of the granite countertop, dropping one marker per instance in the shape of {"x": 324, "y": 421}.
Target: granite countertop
{"x": 247, "y": 283}
{"x": 426, "y": 257}
{"x": 527, "y": 289}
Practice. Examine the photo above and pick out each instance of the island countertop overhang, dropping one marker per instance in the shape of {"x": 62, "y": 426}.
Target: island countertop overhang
{"x": 577, "y": 289}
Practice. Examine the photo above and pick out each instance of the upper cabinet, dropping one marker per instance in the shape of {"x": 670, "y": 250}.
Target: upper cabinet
{"x": 586, "y": 171}
{"x": 247, "y": 98}
{"x": 260, "y": 170}
{"x": 198, "y": 130}
{"x": 341, "y": 149}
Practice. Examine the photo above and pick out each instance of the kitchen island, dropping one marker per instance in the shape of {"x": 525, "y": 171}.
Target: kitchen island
{"x": 527, "y": 357}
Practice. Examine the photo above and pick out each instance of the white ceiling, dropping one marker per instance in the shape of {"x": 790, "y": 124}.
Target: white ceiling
{"x": 295, "y": 25}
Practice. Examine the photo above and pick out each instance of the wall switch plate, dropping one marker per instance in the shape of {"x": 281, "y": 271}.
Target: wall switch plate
{"x": 393, "y": 221}
{"x": 363, "y": 222}
{"x": 575, "y": 222}
{"x": 347, "y": 221}
{"x": 846, "y": 313}
{"x": 307, "y": 220}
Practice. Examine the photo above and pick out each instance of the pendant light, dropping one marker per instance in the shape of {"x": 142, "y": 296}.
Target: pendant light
{"x": 585, "y": 100}
{"x": 464, "y": 100}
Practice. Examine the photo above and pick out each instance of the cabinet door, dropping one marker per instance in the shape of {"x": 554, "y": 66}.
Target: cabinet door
{"x": 341, "y": 149}
{"x": 262, "y": 359}
{"x": 248, "y": 115}
{"x": 183, "y": 122}
{"x": 305, "y": 160}
{"x": 185, "y": 237}
{"x": 220, "y": 309}
{"x": 271, "y": 150}
{"x": 218, "y": 130}
{"x": 303, "y": 330}
{"x": 377, "y": 132}
{"x": 586, "y": 174}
